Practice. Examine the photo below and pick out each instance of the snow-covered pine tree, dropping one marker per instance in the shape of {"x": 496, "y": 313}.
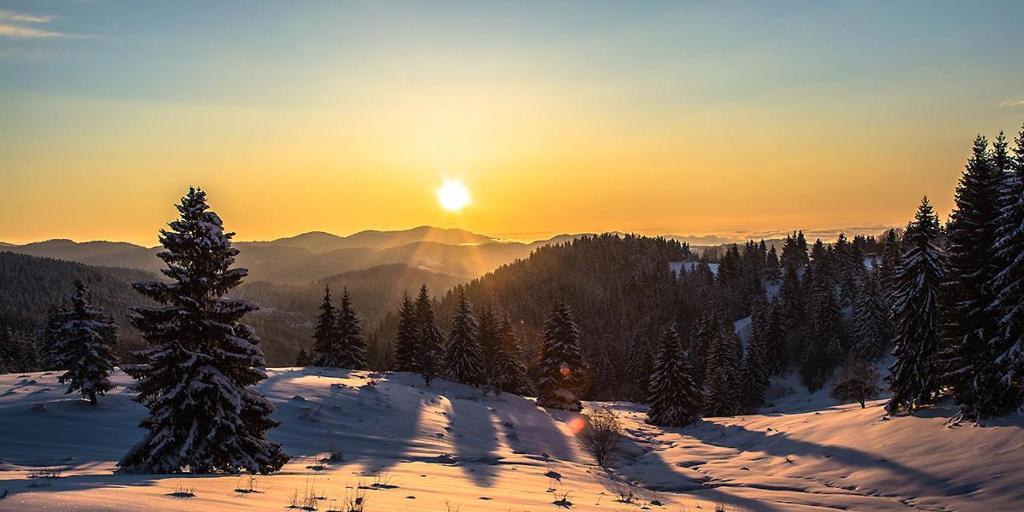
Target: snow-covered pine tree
{"x": 429, "y": 346}
{"x": 916, "y": 313}
{"x": 509, "y": 369}
{"x": 892, "y": 258}
{"x": 965, "y": 358}
{"x": 407, "y": 337}
{"x": 197, "y": 378}
{"x": 846, "y": 275}
{"x": 675, "y": 400}
{"x": 772, "y": 270}
{"x": 561, "y": 365}
{"x": 84, "y": 347}
{"x": 325, "y": 339}
{"x": 351, "y": 346}
{"x": 872, "y": 329}
{"x": 463, "y": 357}
{"x": 1008, "y": 288}
{"x": 723, "y": 379}
{"x": 755, "y": 366}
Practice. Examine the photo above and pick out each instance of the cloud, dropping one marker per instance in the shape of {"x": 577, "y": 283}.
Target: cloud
{"x": 15, "y": 25}
{"x": 1019, "y": 102}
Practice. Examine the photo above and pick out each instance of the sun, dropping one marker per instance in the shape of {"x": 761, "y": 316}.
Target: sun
{"x": 453, "y": 196}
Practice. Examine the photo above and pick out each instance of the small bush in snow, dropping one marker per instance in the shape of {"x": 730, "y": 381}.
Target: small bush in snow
{"x": 602, "y": 436}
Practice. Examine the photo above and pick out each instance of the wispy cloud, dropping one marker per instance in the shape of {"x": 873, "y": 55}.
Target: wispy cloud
{"x": 16, "y": 25}
{"x": 1019, "y": 102}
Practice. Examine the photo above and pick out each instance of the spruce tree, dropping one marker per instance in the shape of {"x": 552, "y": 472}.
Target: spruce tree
{"x": 561, "y": 365}
{"x": 824, "y": 349}
{"x": 675, "y": 400}
{"x": 892, "y": 258}
{"x": 916, "y": 314}
{"x": 407, "y": 337}
{"x": 723, "y": 378}
{"x": 325, "y": 343}
{"x": 197, "y": 379}
{"x": 756, "y": 367}
{"x": 639, "y": 371}
{"x": 1007, "y": 344}
{"x": 302, "y": 359}
{"x": 53, "y": 336}
{"x": 463, "y": 357}
{"x": 350, "y": 348}
{"x": 84, "y": 347}
{"x": 429, "y": 345}
{"x": 775, "y": 339}
{"x": 966, "y": 359}
{"x": 872, "y": 329}
{"x": 490, "y": 347}
{"x": 510, "y": 371}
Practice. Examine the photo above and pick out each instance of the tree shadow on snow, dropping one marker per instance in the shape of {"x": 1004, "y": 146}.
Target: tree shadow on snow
{"x": 475, "y": 438}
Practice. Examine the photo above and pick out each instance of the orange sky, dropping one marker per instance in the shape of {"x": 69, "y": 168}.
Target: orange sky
{"x": 676, "y": 119}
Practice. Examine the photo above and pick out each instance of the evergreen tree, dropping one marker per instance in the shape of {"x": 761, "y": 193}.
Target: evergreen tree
{"x": 53, "y": 336}
{"x": 509, "y": 367}
{"x": 350, "y": 346}
{"x": 325, "y": 343}
{"x": 429, "y": 345}
{"x": 6, "y": 346}
{"x": 407, "y": 337}
{"x": 675, "y": 400}
{"x": 892, "y": 258}
{"x": 641, "y": 367}
{"x": 916, "y": 313}
{"x": 872, "y": 329}
{"x": 756, "y": 367}
{"x": 772, "y": 270}
{"x": 84, "y": 347}
{"x": 302, "y": 359}
{"x": 197, "y": 378}
{"x": 490, "y": 346}
{"x": 463, "y": 357}
{"x": 966, "y": 358}
{"x": 846, "y": 272}
{"x": 561, "y": 365}
{"x": 824, "y": 351}
{"x": 1007, "y": 344}
{"x": 723, "y": 374}
{"x": 775, "y": 339}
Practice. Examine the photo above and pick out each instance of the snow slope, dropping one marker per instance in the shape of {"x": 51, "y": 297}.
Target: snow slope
{"x": 449, "y": 447}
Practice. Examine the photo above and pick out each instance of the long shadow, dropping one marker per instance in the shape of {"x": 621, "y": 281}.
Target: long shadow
{"x": 647, "y": 462}
{"x": 355, "y": 422}
{"x": 781, "y": 445}
{"x": 475, "y": 438}
{"x": 532, "y": 431}
{"x": 87, "y": 482}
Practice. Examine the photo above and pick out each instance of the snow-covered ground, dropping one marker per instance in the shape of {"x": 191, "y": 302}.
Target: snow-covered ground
{"x": 449, "y": 447}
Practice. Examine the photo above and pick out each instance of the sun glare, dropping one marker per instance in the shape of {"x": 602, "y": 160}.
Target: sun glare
{"x": 453, "y": 196}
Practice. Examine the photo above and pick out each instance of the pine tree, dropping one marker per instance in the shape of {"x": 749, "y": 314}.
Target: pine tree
{"x": 6, "y": 344}
{"x": 350, "y": 345}
{"x": 84, "y": 347}
{"x": 197, "y": 378}
{"x": 775, "y": 339}
{"x": 872, "y": 329}
{"x": 723, "y": 374}
{"x": 772, "y": 270}
{"x": 916, "y": 314}
{"x": 509, "y": 369}
{"x": 824, "y": 349}
{"x": 407, "y": 337}
{"x": 302, "y": 359}
{"x": 1007, "y": 286}
{"x": 675, "y": 400}
{"x": 325, "y": 343}
{"x": 463, "y": 357}
{"x": 966, "y": 358}
{"x": 429, "y": 345}
{"x": 53, "y": 336}
{"x": 755, "y": 367}
{"x": 892, "y": 258}
{"x": 845, "y": 272}
{"x": 640, "y": 369}
{"x": 561, "y": 365}
{"x": 490, "y": 346}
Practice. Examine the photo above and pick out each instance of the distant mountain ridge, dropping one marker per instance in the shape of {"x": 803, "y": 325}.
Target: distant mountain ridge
{"x": 315, "y": 255}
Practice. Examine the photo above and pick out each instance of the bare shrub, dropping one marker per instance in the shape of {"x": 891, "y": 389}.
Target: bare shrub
{"x": 602, "y": 436}
{"x": 858, "y": 381}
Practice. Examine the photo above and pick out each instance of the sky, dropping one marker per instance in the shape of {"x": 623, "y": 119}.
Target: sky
{"x": 675, "y": 117}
